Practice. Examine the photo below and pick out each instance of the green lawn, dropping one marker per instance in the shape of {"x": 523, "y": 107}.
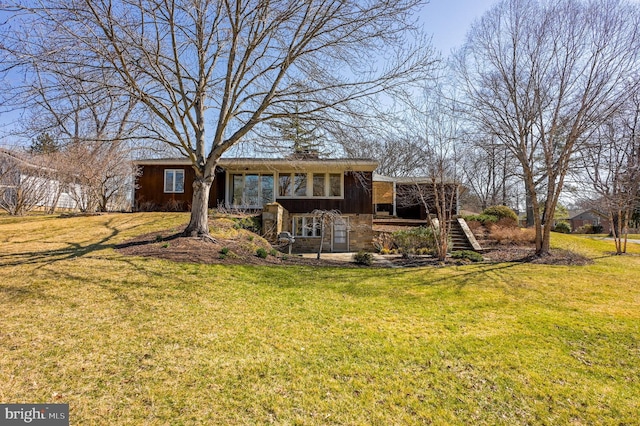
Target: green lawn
{"x": 142, "y": 341}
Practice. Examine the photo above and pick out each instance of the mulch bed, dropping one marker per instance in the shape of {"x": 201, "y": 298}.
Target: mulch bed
{"x": 497, "y": 254}
{"x": 171, "y": 245}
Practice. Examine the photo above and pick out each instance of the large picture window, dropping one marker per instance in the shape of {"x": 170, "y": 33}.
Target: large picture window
{"x": 174, "y": 181}
{"x": 251, "y": 189}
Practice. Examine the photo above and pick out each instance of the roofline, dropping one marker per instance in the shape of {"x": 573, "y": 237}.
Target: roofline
{"x": 355, "y": 164}
{"x": 407, "y": 179}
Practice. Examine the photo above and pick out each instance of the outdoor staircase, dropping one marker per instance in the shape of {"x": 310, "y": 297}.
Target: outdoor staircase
{"x": 461, "y": 236}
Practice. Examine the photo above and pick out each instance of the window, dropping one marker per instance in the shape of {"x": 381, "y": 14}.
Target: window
{"x": 335, "y": 185}
{"x": 302, "y": 185}
{"x": 174, "y": 181}
{"x": 251, "y": 189}
{"x": 318, "y": 185}
{"x": 266, "y": 188}
{"x": 305, "y": 226}
{"x": 284, "y": 183}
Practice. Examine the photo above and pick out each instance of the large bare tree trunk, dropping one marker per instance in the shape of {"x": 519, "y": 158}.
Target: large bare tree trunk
{"x": 199, "y": 224}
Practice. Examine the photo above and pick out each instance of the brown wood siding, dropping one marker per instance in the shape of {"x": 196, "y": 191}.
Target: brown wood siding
{"x": 150, "y": 195}
{"x": 358, "y": 198}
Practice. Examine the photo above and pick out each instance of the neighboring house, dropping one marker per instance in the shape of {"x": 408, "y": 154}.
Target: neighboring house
{"x": 591, "y": 217}
{"x": 288, "y": 191}
{"x": 26, "y": 185}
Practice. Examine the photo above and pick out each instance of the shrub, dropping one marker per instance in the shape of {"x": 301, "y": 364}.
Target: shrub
{"x": 411, "y": 240}
{"x": 173, "y": 206}
{"x": 158, "y": 238}
{"x": 363, "y": 258}
{"x": 273, "y": 252}
{"x": 384, "y": 241}
{"x": 512, "y": 235}
{"x": 262, "y": 253}
{"x": 250, "y": 223}
{"x": 501, "y": 212}
{"x": 562, "y": 227}
{"x": 474, "y": 225}
{"x": 147, "y": 206}
{"x": 484, "y": 219}
{"x": 424, "y": 251}
{"x": 224, "y": 250}
{"x": 468, "y": 255}
{"x": 507, "y": 222}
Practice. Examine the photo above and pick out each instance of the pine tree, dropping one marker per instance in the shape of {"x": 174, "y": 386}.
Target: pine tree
{"x": 302, "y": 135}
{"x": 44, "y": 144}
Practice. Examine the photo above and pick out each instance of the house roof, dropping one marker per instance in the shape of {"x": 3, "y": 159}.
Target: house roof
{"x": 406, "y": 179}
{"x": 29, "y": 162}
{"x": 353, "y": 164}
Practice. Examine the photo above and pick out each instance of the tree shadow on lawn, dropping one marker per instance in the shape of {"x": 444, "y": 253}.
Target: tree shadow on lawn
{"x": 72, "y": 251}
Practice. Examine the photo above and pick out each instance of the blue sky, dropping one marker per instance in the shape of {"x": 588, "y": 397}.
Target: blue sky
{"x": 446, "y": 20}
{"x": 449, "y": 20}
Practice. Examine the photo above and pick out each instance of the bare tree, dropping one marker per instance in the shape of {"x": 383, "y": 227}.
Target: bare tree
{"x": 210, "y": 71}
{"x": 541, "y": 75}
{"x": 26, "y": 183}
{"x": 325, "y": 219}
{"x": 611, "y": 160}
{"x": 490, "y": 172}
{"x": 437, "y": 127}
{"x": 99, "y": 174}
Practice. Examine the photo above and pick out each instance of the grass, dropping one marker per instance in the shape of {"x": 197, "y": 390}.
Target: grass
{"x": 135, "y": 341}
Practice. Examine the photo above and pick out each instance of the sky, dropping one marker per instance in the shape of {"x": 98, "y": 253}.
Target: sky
{"x": 449, "y": 20}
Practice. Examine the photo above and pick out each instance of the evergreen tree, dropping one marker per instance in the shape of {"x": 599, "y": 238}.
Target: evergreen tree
{"x": 44, "y": 144}
{"x": 302, "y": 135}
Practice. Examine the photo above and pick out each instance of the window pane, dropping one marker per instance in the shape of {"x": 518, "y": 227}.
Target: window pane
{"x": 300, "y": 185}
{"x": 168, "y": 181}
{"x": 267, "y": 189}
{"x": 284, "y": 184}
{"x": 308, "y": 227}
{"x": 179, "y": 180}
{"x": 237, "y": 190}
{"x": 297, "y": 226}
{"x": 318, "y": 185}
{"x": 334, "y": 185}
{"x": 251, "y": 190}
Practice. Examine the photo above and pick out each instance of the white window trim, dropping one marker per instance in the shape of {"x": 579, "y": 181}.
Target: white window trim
{"x": 327, "y": 186}
{"x": 173, "y": 190}
{"x": 308, "y": 222}
{"x": 229, "y": 179}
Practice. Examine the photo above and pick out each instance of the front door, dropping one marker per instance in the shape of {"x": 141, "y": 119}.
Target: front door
{"x": 340, "y": 242}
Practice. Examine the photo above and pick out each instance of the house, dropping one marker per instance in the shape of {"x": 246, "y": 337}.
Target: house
{"x": 287, "y": 191}
{"x": 591, "y": 217}
{"x": 29, "y": 183}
